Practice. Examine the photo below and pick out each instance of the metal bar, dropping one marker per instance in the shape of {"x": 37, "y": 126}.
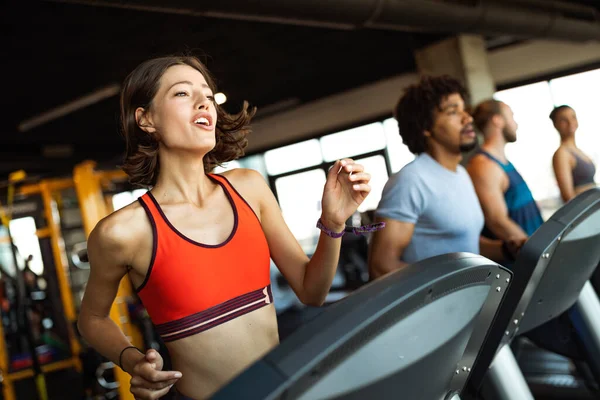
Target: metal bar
{"x": 61, "y": 265}
{"x": 28, "y": 190}
{"x": 40, "y": 233}
{"x": 70, "y": 107}
{"x": 59, "y": 365}
{"x": 111, "y": 176}
{"x": 43, "y": 233}
{"x": 22, "y": 374}
{"x": 60, "y": 184}
{"x": 8, "y": 389}
{"x": 24, "y": 324}
{"x": 46, "y": 368}
{"x": 589, "y": 307}
{"x": 588, "y": 313}
{"x": 506, "y": 377}
{"x": 54, "y": 184}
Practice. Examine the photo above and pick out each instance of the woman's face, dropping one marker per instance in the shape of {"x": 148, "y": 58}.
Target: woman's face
{"x": 566, "y": 123}
{"x": 182, "y": 115}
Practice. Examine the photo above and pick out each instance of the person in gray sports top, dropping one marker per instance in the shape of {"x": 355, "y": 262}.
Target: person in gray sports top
{"x": 573, "y": 169}
{"x": 430, "y": 206}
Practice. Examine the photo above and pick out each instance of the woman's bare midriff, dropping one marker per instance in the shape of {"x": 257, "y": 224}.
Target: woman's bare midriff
{"x": 212, "y": 358}
{"x": 583, "y": 188}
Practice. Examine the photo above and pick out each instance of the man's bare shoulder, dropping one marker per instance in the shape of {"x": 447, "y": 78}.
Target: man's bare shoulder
{"x": 480, "y": 166}
{"x": 122, "y": 229}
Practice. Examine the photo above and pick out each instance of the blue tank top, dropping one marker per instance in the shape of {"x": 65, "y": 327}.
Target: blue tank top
{"x": 520, "y": 203}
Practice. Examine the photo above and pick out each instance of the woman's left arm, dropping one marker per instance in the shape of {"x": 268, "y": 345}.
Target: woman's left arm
{"x": 346, "y": 188}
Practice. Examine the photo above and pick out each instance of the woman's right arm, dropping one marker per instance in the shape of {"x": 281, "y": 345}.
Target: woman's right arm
{"x": 107, "y": 267}
{"x": 109, "y": 247}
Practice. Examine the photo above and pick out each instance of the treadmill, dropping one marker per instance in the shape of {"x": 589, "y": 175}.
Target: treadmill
{"x": 411, "y": 334}
{"x": 551, "y": 280}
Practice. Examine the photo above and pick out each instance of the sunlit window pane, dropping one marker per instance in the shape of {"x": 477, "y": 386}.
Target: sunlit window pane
{"x": 255, "y": 162}
{"x": 121, "y": 200}
{"x": 293, "y": 157}
{"x": 135, "y": 194}
{"x": 233, "y": 164}
{"x": 536, "y": 138}
{"x": 397, "y": 152}
{"x": 24, "y": 237}
{"x": 376, "y": 167}
{"x": 300, "y": 201}
{"x": 580, "y": 91}
{"x": 364, "y": 139}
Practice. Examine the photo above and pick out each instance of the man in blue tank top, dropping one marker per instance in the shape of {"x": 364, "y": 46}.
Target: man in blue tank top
{"x": 508, "y": 205}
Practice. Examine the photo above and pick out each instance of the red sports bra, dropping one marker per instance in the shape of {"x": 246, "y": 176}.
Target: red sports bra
{"x": 191, "y": 287}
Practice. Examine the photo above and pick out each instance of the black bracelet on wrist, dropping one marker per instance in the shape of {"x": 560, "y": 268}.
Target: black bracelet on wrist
{"x": 123, "y": 351}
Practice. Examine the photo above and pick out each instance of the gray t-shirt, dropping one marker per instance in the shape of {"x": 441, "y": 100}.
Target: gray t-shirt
{"x": 442, "y": 204}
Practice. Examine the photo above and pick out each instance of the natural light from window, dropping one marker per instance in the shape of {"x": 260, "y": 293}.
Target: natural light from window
{"x": 363, "y": 139}
{"x": 300, "y": 201}
{"x": 397, "y": 152}
{"x": 24, "y": 237}
{"x": 581, "y": 91}
{"x": 123, "y": 199}
{"x": 293, "y": 157}
{"x": 375, "y": 166}
{"x": 538, "y": 140}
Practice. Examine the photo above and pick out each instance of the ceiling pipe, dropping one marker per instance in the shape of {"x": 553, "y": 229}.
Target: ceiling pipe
{"x": 521, "y": 19}
{"x": 70, "y": 107}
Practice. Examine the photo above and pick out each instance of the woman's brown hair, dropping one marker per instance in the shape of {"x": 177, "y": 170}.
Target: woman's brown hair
{"x": 141, "y": 162}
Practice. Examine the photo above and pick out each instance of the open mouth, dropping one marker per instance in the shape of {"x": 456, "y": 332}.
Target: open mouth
{"x": 468, "y": 131}
{"x": 202, "y": 121}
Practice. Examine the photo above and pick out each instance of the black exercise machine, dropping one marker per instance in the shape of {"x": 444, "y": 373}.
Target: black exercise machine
{"x": 550, "y": 280}
{"x": 412, "y": 334}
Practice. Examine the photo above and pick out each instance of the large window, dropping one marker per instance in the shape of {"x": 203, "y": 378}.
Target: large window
{"x": 299, "y": 197}
{"x": 24, "y": 238}
{"x": 397, "y": 152}
{"x": 581, "y": 92}
{"x": 361, "y": 140}
{"x": 298, "y": 172}
{"x": 123, "y": 199}
{"x": 538, "y": 140}
{"x": 255, "y": 162}
{"x": 293, "y": 157}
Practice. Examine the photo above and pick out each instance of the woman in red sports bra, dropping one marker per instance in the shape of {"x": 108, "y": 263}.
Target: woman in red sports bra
{"x": 197, "y": 246}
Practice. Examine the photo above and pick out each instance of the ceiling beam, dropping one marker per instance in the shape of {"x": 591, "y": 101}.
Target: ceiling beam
{"x": 76, "y": 104}
{"x": 527, "y": 19}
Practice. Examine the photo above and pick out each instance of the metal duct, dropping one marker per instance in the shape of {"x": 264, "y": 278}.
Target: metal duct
{"x": 521, "y": 19}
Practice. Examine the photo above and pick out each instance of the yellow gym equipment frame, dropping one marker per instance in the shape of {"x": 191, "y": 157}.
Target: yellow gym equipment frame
{"x": 88, "y": 184}
{"x": 46, "y": 189}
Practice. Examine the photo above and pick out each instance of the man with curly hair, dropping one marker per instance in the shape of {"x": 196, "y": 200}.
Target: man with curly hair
{"x": 197, "y": 245}
{"x": 430, "y": 206}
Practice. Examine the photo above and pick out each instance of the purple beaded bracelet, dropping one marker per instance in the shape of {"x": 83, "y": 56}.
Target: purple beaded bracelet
{"x": 357, "y": 231}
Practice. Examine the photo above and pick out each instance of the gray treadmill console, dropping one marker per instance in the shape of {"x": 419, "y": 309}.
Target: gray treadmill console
{"x": 410, "y": 334}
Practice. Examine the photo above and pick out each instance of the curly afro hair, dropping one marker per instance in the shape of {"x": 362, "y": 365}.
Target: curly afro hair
{"x": 415, "y": 111}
